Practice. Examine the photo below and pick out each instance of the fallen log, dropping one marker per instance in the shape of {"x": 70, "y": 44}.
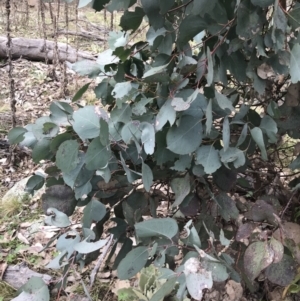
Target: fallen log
{"x": 41, "y": 50}
{"x": 18, "y": 275}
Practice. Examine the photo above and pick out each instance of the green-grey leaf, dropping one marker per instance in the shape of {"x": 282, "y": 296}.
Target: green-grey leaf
{"x": 67, "y": 244}
{"x": 233, "y": 154}
{"x": 209, "y": 117}
{"x": 41, "y": 150}
{"x": 57, "y": 263}
{"x": 34, "y": 183}
{"x": 257, "y": 136}
{"x": 16, "y": 135}
{"x": 139, "y": 108}
{"x": 122, "y": 89}
{"x": 133, "y": 262}
{"x": 118, "y": 5}
{"x": 197, "y": 282}
{"x": 185, "y": 138}
{"x": 122, "y": 114}
{"x": 279, "y": 19}
{"x": 117, "y": 39}
{"x": 190, "y": 27}
{"x": 157, "y": 227}
{"x": 164, "y": 290}
{"x": 226, "y": 133}
{"x": 67, "y": 155}
{"x": 242, "y": 112}
{"x": 152, "y": 34}
{"x": 86, "y": 122}
{"x": 223, "y": 102}
{"x": 57, "y": 219}
{"x": 203, "y": 6}
{"x": 208, "y": 157}
{"x": 83, "y": 3}
{"x": 165, "y": 114}
{"x": 85, "y": 247}
{"x": 249, "y": 20}
{"x": 165, "y": 6}
{"x": 107, "y": 57}
{"x": 193, "y": 237}
{"x": 104, "y": 132}
{"x": 210, "y": 67}
{"x": 86, "y": 67}
{"x": 147, "y": 176}
{"x": 152, "y": 9}
{"x": 223, "y": 240}
{"x": 295, "y": 64}
{"x": 218, "y": 270}
{"x": 294, "y": 16}
{"x": 263, "y": 3}
{"x": 104, "y": 173}
{"x": 179, "y": 104}
{"x": 35, "y": 289}
{"x": 131, "y": 131}
{"x": 131, "y": 20}
{"x": 79, "y": 175}
{"x": 270, "y": 127}
{"x": 256, "y": 258}
{"x": 183, "y": 163}
{"x": 295, "y": 164}
{"x": 80, "y": 92}
{"x": 148, "y": 137}
{"x": 97, "y": 155}
{"x": 283, "y": 272}
{"x": 181, "y": 187}
{"x": 227, "y": 206}
{"x": 243, "y": 135}
{"x": 93, "y": 212}
{"x": 131, "y": 175}
{"x": 155, "y": 70}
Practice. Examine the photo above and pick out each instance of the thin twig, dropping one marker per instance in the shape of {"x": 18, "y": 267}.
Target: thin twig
{"x": 100, "y": 260}
{"x": 288, "y": 203}
{"x": 180, "y": 6}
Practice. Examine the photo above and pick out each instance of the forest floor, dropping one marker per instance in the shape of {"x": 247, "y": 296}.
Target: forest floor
{"x": 34, "y": 90}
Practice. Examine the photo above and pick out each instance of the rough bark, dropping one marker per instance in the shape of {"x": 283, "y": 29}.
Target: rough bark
{"x": 18, "y": 275}
{"x": 34, "y": 49}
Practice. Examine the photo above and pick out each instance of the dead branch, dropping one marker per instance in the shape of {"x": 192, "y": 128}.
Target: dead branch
{"x": 34, "y": 49}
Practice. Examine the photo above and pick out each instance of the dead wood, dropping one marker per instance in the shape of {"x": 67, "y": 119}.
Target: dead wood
{"x": 35, "y": 50}
{"x": 18, "y": 275}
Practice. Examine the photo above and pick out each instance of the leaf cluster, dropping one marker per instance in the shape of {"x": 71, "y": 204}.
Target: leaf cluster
{"x": 189, "y": 107}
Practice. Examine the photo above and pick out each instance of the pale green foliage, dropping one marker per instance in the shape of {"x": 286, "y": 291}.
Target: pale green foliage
{"x": 177, "y": 102}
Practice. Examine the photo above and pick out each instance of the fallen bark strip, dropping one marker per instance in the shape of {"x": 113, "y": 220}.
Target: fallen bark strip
{"x": 34, "y": 49}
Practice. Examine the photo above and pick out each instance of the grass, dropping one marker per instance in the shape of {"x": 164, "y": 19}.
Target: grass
{"x": 7, "y": 293}
{"x": 100, "y": 291}
{"x": 16, "y": 209}
{"x": 11, "y": 207}
{"x": 4, "y": 108}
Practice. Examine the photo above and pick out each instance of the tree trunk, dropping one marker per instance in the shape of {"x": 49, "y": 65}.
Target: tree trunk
{"x": 34, "y": 49}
